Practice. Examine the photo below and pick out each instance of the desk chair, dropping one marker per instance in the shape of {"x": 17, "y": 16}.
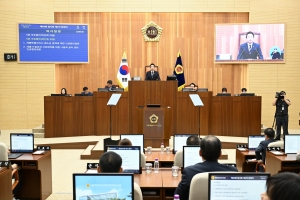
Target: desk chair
{"x": 178, "y": 158}
{"x": 260, "y": 167}
{"x": 143, "y": 160}
{"x": 4, "y": 157}
{"x": 277, "y": 144}
{"x": 137, "y": 192}
{"x": 199, "y": 186}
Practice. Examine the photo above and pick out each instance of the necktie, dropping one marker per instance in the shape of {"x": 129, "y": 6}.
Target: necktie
{"x": 152, "y": 73}
{"x": 249, "y": 47}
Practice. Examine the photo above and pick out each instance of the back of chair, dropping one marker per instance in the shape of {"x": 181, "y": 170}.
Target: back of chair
{"x": 178, "y": 158}
{"x": 143, "y": 160}
{"x": 277, "y": 144}
{"x": 137, "y": 192}
{"x": 3, "y": 152}
{"x": 199, "y": 187}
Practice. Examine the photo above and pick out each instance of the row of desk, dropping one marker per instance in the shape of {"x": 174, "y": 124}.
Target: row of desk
{"x": 274, "y": 163}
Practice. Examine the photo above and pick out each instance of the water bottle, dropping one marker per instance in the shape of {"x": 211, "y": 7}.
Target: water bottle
{"x": 156, "y": 165}
{"x": 162, "y": 148}
{"x": 176, "y": 196}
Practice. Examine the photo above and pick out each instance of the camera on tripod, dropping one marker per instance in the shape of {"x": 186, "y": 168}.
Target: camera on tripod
{"x": 280, "y": 95}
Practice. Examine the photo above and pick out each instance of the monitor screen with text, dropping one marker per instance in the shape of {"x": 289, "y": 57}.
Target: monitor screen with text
{"x": 103, "y": 186}
{"x": 179, "y": 140}
{"x": 136, "y": 139}
{"x": 130, "y": 155}
{"x": 236, "y": 186}
{"x": 291, "y": 143}
{"x": 254, "y": 140}
{"x": 191, "y": 155}
{"x": 21, "y": 143}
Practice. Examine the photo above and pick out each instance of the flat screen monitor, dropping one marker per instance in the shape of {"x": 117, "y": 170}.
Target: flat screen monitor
{"x": 102, "y": 90}
{"x": 236, "y": 186}
{"x": 188, "y": 90}
{"x": 224, "y": 94}
{"x": 249, "y": 43}
{"x": 191, "y": 155}
{"x": 247, "y": 94}
{"x": 291, "y": 143}
{"x": 136, "y": 139}
{"x": 21, "y": 142}
{"x": 131, "y": 156}
{"x": 58, "y": 95}
{"x": 171, "y": 78}
{"x": 103, "y": 186}
{"x": 179, "y": 140}
{"x": 202, "y": 90}
{"x": 254, "y": 140}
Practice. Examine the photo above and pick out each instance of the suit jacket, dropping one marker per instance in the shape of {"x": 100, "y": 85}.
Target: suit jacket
{"x": 188, "y": 173}
{"x": 260, "y": 151}
{"x": 154, "y": 77}
{"x": 254, "y": 53}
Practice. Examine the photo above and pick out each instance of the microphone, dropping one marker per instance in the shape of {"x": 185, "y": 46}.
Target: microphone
{"x": 241, "y": 54}
{"x": 257, "y": 53}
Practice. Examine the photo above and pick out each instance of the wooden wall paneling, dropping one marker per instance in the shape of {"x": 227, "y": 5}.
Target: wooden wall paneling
{"x": 205, "y": 112}
{"x": 120, "y": 116}
{"x": 86, "y": 116}
{"x": 256, "y": 109}
{"x": 101, "y": 113}
{"x": 49, "y": 103}
{"x": 69, "y": 117}
{"x": 226, "y": 114}
{"x": 215, "y": 116}
{"x": 238, "y": 115}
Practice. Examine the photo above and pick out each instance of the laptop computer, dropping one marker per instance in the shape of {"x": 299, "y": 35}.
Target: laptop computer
{"x": 20, "y": 143}
{"x": 191, "y": 156}
{"x": 236, "y": 186}
{"x": 131, "y": 156}
{"x": 103, "y": 186}
{"x": 254, "y": 140}
{"x": 291, "y": 143}
{"x": 136, "y": 139}
{"x": 179, "y": 140}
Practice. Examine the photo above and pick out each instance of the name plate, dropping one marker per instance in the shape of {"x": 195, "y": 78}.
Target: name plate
{"x": 91, "y": 165}
{"x": 45, "y": 148}
{"x": 273, "y": 149}
{"x": 241, "y": 146}
{"x": 5, "y": 164}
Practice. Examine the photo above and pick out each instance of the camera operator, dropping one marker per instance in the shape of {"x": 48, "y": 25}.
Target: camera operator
{"x": 282, "y": 118}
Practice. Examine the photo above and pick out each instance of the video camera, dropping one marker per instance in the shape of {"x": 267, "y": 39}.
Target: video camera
{"x": 279, "y": 95}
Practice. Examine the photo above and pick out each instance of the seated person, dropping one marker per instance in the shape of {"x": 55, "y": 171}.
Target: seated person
{"x": 109, "y": 85}
{"x": 152, "y": 75}
{"x": 210, "y": 152}
{"x": 86, "y": 91}
{"x": 191, "y": 140}
{"x": 127, "y": 142}
{"x": 224, "y": 90}
{"x": 250, "y": 49}
{"x": 193, "y": 87}
{"x": 63, "y": 91}
{"x": 244, "y": 90}
{"x": 275, "y": 54}
{"x": 260, "y": 151}
{"x": 111, "y": 162}
{"x": 282, "y": 186}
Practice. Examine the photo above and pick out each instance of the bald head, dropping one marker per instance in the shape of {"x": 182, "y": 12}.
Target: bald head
{"x": 210, "y": 148}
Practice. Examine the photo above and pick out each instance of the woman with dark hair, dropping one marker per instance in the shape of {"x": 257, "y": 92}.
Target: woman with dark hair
{"x": 282, "y": 186}
{"x": 224, "y": 90}
{"x": 63, "y": 91}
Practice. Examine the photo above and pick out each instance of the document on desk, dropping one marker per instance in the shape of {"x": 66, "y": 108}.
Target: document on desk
{"x": 91, "y": 171}
{"x": 242, "y": 149}
{"x": 38, "y": 152}
{"x": 278, "y": 153}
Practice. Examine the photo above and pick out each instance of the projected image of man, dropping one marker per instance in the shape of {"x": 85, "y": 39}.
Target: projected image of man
{"x": 250, "y": 49}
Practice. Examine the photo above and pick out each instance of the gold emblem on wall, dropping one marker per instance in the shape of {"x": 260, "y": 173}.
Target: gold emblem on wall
{"x": 152, "y": 32}
{"x": 153, "y": 119}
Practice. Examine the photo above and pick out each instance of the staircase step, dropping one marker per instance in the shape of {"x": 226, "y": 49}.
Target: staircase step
{"x": 38, "y": 129}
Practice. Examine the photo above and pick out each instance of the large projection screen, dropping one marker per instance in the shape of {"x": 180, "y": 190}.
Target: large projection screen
{"x": 249, "y": 43}
{"x": 53, "y": 43}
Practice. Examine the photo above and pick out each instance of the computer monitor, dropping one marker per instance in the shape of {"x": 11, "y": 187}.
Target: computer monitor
{"x": 131, "y": 156}
{"x": 102, "y": 90}
{"x": 179, "y": 140}
{"x": 202, "y": 90}
{"x": 236, "y": 186}
{"x": 188, "y": 90}
{"x": 254, "y": 140}
{"x": 119, "y": 90}
{"x": 136, "y": 139}
{"x": 103, "y": 186}
{"x": 171, "y": 78}
{"x": 21, "y": 142}
{"x": 58, "y": 95}
{"x": 291, "y": 143}
{"x": 224, "y": 94}
{"x": 247, "y": 94}
{"x": 191, "y": 155}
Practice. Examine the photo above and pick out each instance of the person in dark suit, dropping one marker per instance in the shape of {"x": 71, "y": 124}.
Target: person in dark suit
{"x": 250, "y": 49}
{"x": 86, "y": 92}
{"x": 210, "y": 151}
{"x": 152, "y": 75}
{"x": 260, "y": 151}
{"x": 275, "y": 54}
{"x": 109, "y": 85}
{"x": 224, "y": 90}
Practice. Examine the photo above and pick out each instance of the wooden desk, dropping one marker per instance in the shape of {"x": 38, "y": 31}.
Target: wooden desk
{"x": 150, "y": 184}
{"x": 35, "y": 176}
{"x": 241, "y": 161}
{"x": 5, "y": 184}
{"x": 170, "y": 183}
{"x": 285, "y": 163}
